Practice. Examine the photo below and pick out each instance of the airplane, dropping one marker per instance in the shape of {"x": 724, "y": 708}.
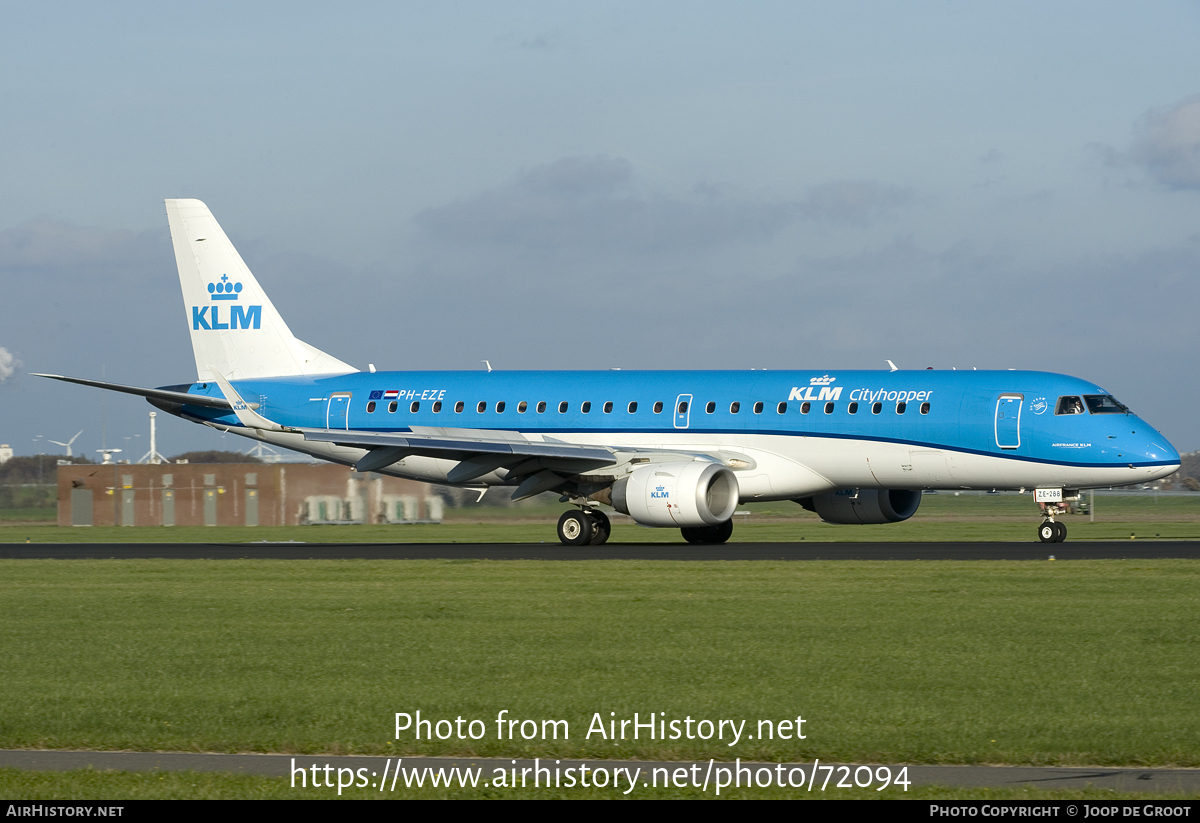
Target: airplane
{"x": 671, "y": 449}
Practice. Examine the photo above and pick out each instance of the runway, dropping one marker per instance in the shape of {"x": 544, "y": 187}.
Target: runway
{"x": 1093, "y": 550}
{"x": 1124, "y": 780}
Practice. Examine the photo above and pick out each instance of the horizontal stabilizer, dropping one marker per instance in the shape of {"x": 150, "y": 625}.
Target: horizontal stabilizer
{"x": 158, "y": 394}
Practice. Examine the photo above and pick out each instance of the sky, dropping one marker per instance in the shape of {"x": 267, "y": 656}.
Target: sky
{"x": 680, "y": 185}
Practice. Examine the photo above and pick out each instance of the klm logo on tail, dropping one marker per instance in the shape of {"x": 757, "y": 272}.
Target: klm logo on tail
{"x": 239, "y": 317}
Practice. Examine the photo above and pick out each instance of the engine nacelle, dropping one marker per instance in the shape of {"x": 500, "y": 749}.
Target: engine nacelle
{"x": 859, "y": 506}
{"x": 679, "y": 495}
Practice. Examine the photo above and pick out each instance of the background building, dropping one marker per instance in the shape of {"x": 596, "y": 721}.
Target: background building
{"x": 237, "y": 494}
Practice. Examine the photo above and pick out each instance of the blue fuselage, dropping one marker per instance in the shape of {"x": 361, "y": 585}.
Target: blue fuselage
{"x": 1000, "y": 415}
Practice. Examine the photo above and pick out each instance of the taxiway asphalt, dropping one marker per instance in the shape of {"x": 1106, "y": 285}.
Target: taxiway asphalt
{"x": 1079, "y": 550}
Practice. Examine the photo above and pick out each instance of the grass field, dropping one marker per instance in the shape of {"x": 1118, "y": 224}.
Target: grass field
{"x": 1065, "y": 663}
{"x": 1087, "y": 662}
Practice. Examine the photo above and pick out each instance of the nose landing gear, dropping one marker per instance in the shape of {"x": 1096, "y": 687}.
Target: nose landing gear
{"x": 1054, "y": 501}
{"x": 1052, "y": 531}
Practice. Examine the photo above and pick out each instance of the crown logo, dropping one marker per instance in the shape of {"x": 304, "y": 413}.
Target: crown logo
{"x": 224, "y": 290}
{"x": 821, "y": 381}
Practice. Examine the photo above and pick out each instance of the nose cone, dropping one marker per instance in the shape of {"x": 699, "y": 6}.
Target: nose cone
{"x": 1161, "y": 455}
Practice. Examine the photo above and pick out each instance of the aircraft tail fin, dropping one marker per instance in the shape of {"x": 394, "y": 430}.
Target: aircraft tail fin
{"x": 234, "y": 326}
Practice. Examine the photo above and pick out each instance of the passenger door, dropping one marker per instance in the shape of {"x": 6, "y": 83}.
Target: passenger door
{"x": 336, "y": 413}
{"x": 683, "y": 410}
{"x": 1008, "y": 420}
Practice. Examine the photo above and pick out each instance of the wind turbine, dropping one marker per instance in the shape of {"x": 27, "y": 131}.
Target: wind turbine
{"x": 68, "y": 443}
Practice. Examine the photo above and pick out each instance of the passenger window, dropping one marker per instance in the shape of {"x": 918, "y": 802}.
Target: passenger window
{"x": 900, "y": 407}
{"x": 562, "y": 407}
{"x": 876, "y": 408}
{"x": 541, "y": 406}
{"x": 924, "y": 408}
{"x": 608, "y": 407}
{"x": 781, "y": 408}
{"x": 758, "y": 407}
{"x": 458, "y": 407}
{"x": 586, "y": 407}
{"x": 829, "y": 408}
{"x": 658, "y": 407}
{"x": 852, "y": 408}
{"x": 735, "y": 407}
{"x": 1069, "y": 405}
{"x": 710, "y": 407}
{"x": 804, "y": 407}
{"x": 482, "y": 407}
{"x": 499, "y": 407}
{"x": 392, "y": 407}
{"x": 521, "y": 407}
{"x": 633, "y": 407}
{"x": 682, "y": 407}
{"x": 415, "y": 407}
{"x": 437, "y": 406}
{"x": 371, "y": 407}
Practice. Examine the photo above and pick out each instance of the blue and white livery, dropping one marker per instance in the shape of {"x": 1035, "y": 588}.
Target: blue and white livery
{"x": 674, "y": 449}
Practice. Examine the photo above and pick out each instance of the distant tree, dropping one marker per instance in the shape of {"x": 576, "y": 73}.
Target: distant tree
{"x": 1191, "y": 484}
{"x": 215, "y": 457}
{"x": 38, "y": 468}
{"x": 1191, "y": 464}
{"x": 28, "y": 482}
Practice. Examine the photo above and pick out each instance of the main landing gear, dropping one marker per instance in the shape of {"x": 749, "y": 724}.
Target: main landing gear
{"x": 590, "y": 527}
{"x": 709, "y": 534}
{"x": 585, "y": 527}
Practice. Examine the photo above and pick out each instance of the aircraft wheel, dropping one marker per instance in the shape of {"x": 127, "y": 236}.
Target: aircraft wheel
{"x": 575, "y": 529}
{"x": 709, "y": 535}
{"x": 722, "y": 532}
{"x": 1060, "y": 529}
{"x": 1048, "y": 532}
{"x": 601, "y": 528}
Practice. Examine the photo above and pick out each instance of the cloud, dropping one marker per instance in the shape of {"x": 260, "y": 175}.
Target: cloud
{"x": 853, "y": 202}
{"x": 8, "y": 364}
{"x": 596, "y": 202}
{"x": 1167, "y": 144}
{"x": 43, "y": 244}
{"x": 537, "y": 42}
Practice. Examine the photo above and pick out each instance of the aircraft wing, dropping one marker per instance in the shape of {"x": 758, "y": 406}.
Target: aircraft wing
{"x": 538, "y": 465}
{"x": 542, "y": 465}
{"x": 454, "y": 446}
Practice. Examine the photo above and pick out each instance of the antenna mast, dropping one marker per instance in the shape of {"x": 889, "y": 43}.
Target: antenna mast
{"x": 152, "y": 456}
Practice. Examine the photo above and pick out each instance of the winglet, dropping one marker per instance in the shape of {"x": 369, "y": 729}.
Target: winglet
{"x": 248, "y": 417}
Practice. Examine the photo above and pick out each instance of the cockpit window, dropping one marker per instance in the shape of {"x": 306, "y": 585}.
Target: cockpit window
{"x": 1069, "y": 405}
{"x": 1104, "y": 404}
